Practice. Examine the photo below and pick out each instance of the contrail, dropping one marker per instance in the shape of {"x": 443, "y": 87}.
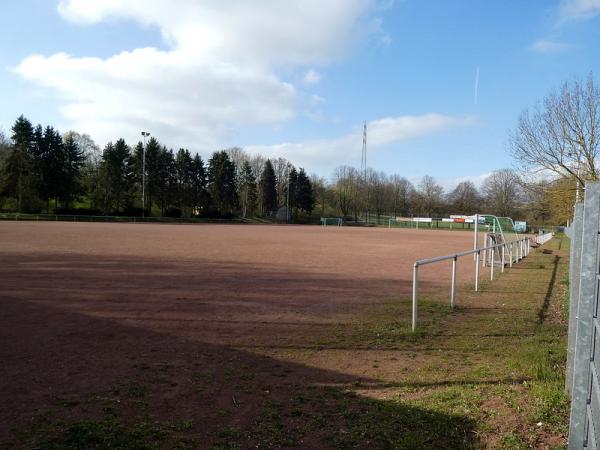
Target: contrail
{"x": 476, "y": 85}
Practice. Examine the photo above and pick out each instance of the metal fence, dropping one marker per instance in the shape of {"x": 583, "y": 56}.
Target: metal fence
{"x": 128, "y": 219}
{"x": 501, "y": 255}
{"x": 582, "y": 380}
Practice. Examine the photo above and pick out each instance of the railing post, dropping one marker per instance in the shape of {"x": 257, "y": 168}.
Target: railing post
{"x": 510, "y": 254}
{"x": 485, "y": 251}
{"x": 414, "y": 296}
{"x": 493, "y": 251}
{"x": 502, "y": 258}
{"x": 476, "y": 271}
{"x": 453, "y": 292}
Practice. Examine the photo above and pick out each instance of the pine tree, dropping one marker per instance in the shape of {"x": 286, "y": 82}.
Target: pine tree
{"x": 248, "y": 192}
{"x": 115, "y": 176}
{"x": 267, "y": 189}
{"x": 184, "y": 172}
{"x": 221, "y": 183}
{"x": 165, "y": 179}
{"x": 5, "y": 150}
{"x": 71, "y": 169}
{"x": 304, "y": 197}
{"x": 20, "y": 163}
{"x": 200, "y": 195}
{"x": 153, "y": 156}
{"x": 292, "y": 203}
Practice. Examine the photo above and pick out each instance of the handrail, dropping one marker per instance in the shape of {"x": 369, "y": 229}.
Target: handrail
{"x": 522, "y": 250}
{"x": 422, "y": 262}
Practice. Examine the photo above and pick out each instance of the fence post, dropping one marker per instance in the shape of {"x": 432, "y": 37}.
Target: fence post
{"x": 585, "y": 316}
{"x": 574, "y": 274}
{"x": 493, "y": 251}
{"x": 475, "y": 227}
{"x": 519, "y": 251}
{"x": 502, "y": 258}
{"x": 476, "y": 271}
{"x": 414, "y": 299}
{"x": 453, "y": 292}
{"x": 486, "y": 241}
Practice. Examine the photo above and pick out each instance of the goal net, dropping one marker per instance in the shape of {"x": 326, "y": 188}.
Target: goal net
{"x": 331, "y": 221}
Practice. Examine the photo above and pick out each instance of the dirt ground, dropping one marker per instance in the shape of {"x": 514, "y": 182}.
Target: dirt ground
{"x": 192, "y": 324}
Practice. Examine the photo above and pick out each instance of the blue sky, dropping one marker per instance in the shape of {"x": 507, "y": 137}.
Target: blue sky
{"x": 298, "y": 78}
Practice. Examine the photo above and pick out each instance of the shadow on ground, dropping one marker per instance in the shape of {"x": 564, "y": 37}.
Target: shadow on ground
{"x": 87, "y": 364}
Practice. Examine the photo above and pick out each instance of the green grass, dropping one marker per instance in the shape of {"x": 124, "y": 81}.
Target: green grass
{"x": 109, "y": 432}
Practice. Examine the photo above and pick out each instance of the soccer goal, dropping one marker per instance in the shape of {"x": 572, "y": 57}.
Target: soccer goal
{"x": 331, "y": 221}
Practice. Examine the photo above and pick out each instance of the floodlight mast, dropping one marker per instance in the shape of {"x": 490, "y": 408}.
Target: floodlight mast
{"x": 145, "y": 134}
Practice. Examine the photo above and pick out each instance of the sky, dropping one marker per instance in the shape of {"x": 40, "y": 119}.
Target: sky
{"x": 440, "y": 84}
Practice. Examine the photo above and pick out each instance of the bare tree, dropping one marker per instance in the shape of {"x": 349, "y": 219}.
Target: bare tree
{"x": 464, "y": 198}
{"x": 561, "y": 135}
{"x": 346, "y": 187}
{"x": 502, "y": 192}
{"x": 91, "y": 150}
{"x": 257, "y": 163}
{"x": 401, "y": 191}
{"x": 280, "y": 165}
{"x": 323, "y": 193}
{"x": 238, "y": 156}
{"x": 429, "y": 196}
{"x": 378, "y": 184}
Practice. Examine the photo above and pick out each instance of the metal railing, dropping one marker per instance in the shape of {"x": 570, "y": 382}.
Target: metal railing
{"x": 122, "y": 219}
{"x": 508, "y": 253}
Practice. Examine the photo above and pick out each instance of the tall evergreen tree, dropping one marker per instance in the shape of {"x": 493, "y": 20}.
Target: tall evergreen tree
{"x": 248, "y": 192}
{"x": 115, "y": 176}
{"x": 20, "y": 162}
{"x": 165, "y": 179}
{"x": 267, "y": 189}
{"x": 184, "y": 172}
{"x": 221, "y": 183}
{"x": 153, "y": 171}
{"x": 304, "y": 196}
{"x": 292, "y": 187}
{"x": 5, "y": 149}
{"x": 200, "y": 195}
{"x": 71, "y": 169}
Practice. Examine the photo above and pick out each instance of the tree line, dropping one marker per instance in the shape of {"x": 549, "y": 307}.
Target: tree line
{"x": 42, "y": 170}
{"x": 556, "y": 149}
{"x": 355, "y": 194}
{"x": 555, "y": 144}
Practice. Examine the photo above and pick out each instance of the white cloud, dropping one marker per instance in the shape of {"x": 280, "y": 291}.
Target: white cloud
{"x": 323, "y": 155}
{"x": 311, "y": 77}
{"x": 546, "y": 46}
{"x": 579, "y": 9}
{"x": 477, "y": 180}
{"x": 219, "y": 71}
{"x": 315, "y": 100}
